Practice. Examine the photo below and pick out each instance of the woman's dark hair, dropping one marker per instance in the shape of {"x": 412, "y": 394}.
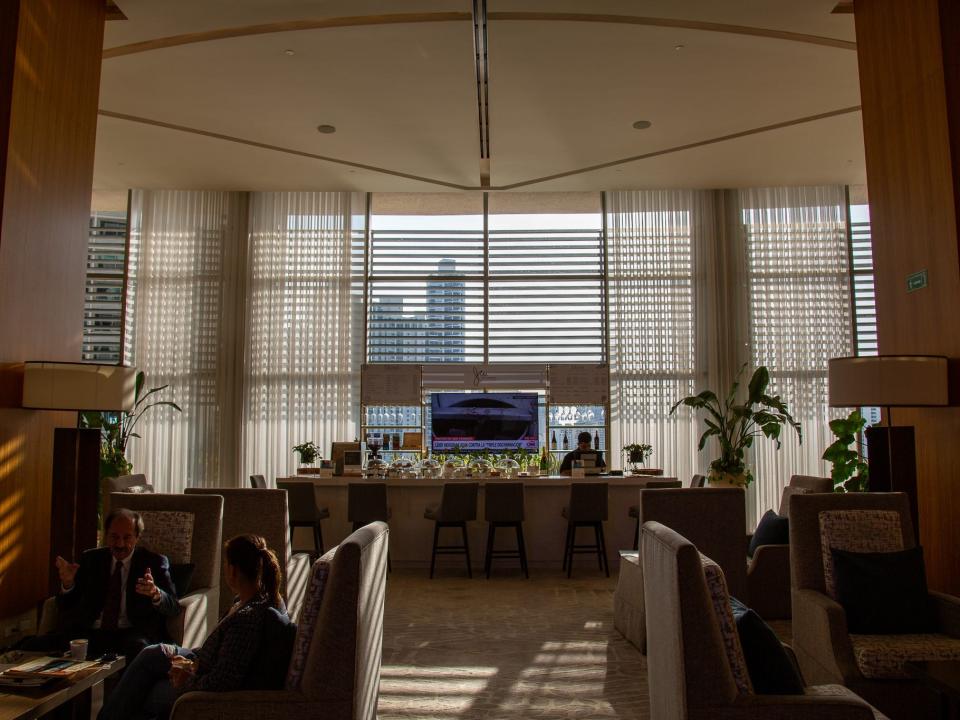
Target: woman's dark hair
{"x": 250, "y": 555}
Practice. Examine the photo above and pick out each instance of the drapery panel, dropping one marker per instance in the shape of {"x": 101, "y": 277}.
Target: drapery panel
{"x": 187, "y": 251}
{"x": 800, "y": 316}
{"x": 304, "y": 306}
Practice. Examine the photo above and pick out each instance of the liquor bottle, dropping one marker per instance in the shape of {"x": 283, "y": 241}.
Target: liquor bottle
{"x": 596, "y": 439}
{"x": 544, "y": 461}
{"x": 566, "y": 443}
{"x": 553, "y": 441}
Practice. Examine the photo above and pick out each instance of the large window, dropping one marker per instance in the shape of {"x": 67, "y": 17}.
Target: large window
{"x": 103, "y": 290}
{"x": 519, "y": 281}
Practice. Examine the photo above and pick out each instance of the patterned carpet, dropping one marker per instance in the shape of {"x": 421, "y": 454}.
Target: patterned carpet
{"x": 455, "y": 648}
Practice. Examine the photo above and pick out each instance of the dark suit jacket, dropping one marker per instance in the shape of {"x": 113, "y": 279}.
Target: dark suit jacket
{"x": 83, "y": 604}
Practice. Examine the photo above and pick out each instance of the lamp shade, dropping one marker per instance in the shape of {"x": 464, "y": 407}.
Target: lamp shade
{"x": 888, "y": 381}
{"x": 78, "y": 386}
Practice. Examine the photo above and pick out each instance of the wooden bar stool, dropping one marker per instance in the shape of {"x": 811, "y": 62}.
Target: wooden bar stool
{"x": 304, "y": 511}
{"x": 367, "y": 503}
{"x": 503, "y": 507}
{"x": 458, "y": 505}
{"x": 587, "y": 508}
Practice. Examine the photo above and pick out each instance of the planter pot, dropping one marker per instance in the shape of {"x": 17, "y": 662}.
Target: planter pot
{"x": 647, "y": 471}
{"x": 724, "y": 479}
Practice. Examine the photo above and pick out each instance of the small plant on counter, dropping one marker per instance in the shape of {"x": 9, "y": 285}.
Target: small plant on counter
{"x": 637, "y": 454}
{"x": 308, "y": 452}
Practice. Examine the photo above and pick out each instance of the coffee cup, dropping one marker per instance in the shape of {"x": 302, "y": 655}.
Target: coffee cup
{"x": 78, "y": 649}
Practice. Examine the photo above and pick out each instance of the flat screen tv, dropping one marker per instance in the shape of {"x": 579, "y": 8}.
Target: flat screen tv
{"x": 484, "y": 421}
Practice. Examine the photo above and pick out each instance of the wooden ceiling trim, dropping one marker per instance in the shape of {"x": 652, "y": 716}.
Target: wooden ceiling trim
{"x": 414, "y": 18}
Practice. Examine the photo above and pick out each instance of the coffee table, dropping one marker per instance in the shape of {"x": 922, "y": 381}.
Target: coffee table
{"x": 941, "y": 676}
{"x": 26, "y": 705}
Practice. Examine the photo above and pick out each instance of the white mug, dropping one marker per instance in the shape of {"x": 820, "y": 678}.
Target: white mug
{"x": 78, "y": 649}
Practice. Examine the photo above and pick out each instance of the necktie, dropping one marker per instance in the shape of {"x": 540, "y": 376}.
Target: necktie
{"x": 111, "y": 607}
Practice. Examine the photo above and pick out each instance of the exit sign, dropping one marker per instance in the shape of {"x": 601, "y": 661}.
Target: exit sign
{"x": 916, "y": 281}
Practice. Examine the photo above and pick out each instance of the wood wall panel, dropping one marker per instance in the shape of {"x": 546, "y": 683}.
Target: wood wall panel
{"x": 49, "y": 108}
{"x": 908, "y": 92}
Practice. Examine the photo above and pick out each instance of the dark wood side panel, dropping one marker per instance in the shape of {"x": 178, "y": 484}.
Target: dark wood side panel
{"x": 910, "y": 136}
{"x": 47, "y": 170}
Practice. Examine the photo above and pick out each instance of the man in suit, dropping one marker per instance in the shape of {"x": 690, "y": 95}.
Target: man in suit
{"x": 118, "y": 596}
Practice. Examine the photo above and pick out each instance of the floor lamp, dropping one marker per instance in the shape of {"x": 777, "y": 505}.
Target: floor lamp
{"x": 75, "y": 490}
{"x": 890, "y": 381}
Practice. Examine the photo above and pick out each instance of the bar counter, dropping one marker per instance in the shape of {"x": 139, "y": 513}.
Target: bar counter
{"x": 544, "y": 529}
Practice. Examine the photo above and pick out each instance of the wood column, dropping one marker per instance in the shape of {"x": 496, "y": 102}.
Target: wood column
{"x": 49, "y": 87}
{"x": 910, "y": 92}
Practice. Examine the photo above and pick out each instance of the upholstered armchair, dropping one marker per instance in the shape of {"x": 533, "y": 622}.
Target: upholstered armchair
{"x": 262, "y": 512}
{"x": 694, "y": 659}
{"x": 335, "y": 670}
{"x": 768, "y": 571}
{"x": 713, "y": 518}
{"x": 871, "y": 665}
{"x": 200, "y": 606}
{"x": 123, "y": 484}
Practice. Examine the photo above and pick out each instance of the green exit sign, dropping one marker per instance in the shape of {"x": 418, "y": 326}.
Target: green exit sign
{"x": 916, "y": 281}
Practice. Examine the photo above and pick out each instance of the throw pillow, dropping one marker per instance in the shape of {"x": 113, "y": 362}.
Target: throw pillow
{"x": 720, "y": 599}
{"x": 182, "y": 575}
{"x": 771, "y": 671}
{"x": 856, "y": 531}
{"x": 309, "y": 614}
{"x": 272, "y": 659}
{"x": 883, "y": 593}
{"x": 168, "y": 532}
{"x": 773, "y": 529}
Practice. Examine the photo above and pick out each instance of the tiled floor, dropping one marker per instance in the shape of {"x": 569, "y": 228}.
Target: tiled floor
{"x": 507, "y": 648}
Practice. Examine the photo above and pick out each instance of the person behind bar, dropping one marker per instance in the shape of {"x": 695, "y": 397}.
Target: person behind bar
{"x": 583, "y": 447}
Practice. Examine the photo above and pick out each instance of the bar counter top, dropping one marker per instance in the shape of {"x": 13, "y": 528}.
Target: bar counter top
{"x": 531, "y": 482}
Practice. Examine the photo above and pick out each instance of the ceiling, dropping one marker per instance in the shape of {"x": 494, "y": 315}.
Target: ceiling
{"x": 205, "y": 95}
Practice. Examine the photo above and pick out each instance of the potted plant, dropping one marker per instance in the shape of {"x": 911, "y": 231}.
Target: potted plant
{"x": 850, "y": 472}
{"x": 735, "y": 425}
{"x": 637, "y": 454}
{"x": 307, "y": 451}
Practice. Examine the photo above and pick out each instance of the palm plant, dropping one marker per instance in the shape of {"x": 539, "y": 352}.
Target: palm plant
{"x": 736, "y": 424}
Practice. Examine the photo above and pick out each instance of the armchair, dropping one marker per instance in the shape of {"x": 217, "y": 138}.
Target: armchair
{"x": 768, "y": 571}
{"x": 689, "y": 673}
{"x": 870, "y": 665}
{"x": 122, "y": 484}
{"x": 262, "y": 512}
{"x": 339, "y": 641}
{"x": 200, "y": 606}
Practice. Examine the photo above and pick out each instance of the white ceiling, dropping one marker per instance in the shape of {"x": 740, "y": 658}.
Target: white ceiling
{"x": 563, "y": 97}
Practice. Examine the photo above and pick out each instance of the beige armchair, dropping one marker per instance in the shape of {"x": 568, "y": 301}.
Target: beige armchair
{"x": 768, "y": 571}
{"x": 200, "y": 606}
{"x": 871, "y": 665}
{"x": 713, "y": 518}
{"x": 262, "y": 512}
{"x": 122, "y": 484}
{"x": 341, "y": 656}
{"x": 689, "y": 674}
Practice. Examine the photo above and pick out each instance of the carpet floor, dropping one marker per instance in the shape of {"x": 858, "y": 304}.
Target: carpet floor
{"x": 455, "y": 648}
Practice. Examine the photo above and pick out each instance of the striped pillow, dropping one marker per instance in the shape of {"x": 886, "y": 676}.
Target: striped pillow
{"x": 309, "y": 615}
{"x": 720, "y": 598}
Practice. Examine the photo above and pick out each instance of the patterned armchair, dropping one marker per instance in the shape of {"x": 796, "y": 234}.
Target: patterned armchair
{"x": 871, "y": 665}
{"x": 262, "y": 512}
{"x": 334, "y": 673}
{"x": 696, "y": 666}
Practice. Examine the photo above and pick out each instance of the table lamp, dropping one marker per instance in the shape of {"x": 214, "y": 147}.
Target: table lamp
{"x": 890, "y": 381}
{"x": 75, "y": 489}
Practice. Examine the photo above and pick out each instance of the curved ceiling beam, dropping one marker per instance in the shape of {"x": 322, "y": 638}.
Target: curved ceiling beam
{"x": 510, "y": 186}
{"x": 402, "y": 18}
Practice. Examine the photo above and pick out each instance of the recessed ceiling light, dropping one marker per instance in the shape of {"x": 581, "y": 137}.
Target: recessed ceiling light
{"x": 326, "y": 129}
{"x": 679, "y": 47}
{"x": 289, "y": 52}
{"x": 642, "y": 124}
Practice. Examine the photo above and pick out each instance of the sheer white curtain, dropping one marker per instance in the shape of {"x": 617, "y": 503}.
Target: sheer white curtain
{"x": 187, "y": 250}
{"x": 304, "y": 313}
{"x": 652, "y": 241}
{"x": 800, "y": 317}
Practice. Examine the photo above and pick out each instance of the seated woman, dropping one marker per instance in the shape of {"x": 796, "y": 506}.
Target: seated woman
{"x": 161, "y": 673}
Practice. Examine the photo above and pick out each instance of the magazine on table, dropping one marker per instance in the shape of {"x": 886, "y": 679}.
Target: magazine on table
{"x": 48, "y": 667}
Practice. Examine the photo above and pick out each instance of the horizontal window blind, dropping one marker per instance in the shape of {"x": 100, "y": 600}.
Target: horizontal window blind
{"x": 103, "y": 290}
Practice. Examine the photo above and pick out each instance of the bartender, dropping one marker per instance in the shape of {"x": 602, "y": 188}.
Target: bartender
{"x": 583, "y": 446}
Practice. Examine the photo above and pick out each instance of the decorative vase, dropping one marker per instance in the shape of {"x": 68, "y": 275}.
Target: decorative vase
{"x": 717, "y": 478}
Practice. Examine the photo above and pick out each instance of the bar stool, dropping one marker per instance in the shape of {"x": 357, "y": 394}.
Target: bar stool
{"x": 503, "y": 507}
{"x": 458, "y": 505}
{"x": 587, "y": 508}
{"x": 634, "y": 510}
{"x": 258, "y": 481}
{"x": 304, "y": 511}
{"x": 367, "y": 503}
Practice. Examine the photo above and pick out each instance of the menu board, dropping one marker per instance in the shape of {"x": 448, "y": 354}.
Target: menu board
{"x": 390, "y": 384}
{"x": 579, "y": 384}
